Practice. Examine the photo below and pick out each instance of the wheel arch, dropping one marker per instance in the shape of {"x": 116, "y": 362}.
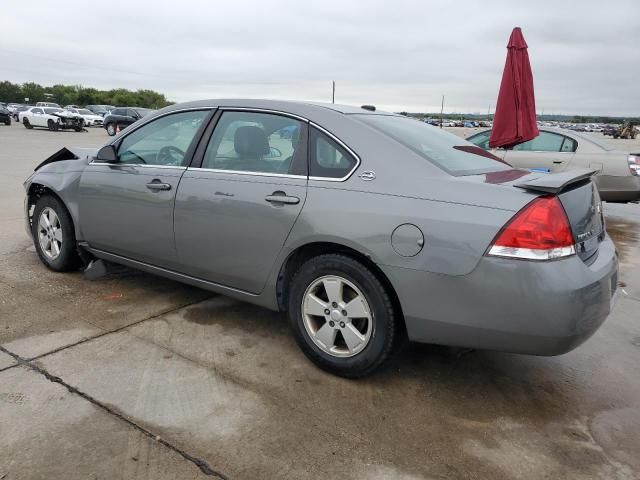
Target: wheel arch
{"x": 309, "y": 250}
{"x": 38, "y": 189}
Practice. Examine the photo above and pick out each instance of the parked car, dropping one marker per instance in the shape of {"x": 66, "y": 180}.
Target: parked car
{"x": 90, "y": 118}
{"x": 5, "y": 116}
{"x": 558, "y": 150}
{"x": 446, "y": 242}
{"x": 12, "y": 107}
{"x": 122, "y": 117}
{"x": 48, "y": 104}
{"x": 52, "y": 118}
{"x": 17, "y": 110}
{"x": 101, "y": 110}
{"x": 609, "y": 130}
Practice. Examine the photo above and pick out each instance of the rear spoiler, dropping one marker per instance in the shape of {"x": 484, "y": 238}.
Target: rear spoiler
{"x": 556, "y": 182}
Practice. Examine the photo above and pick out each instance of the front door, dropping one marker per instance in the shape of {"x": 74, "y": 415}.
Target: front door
{"x": 236, "y": 206}
{"x": 126, "y": 208}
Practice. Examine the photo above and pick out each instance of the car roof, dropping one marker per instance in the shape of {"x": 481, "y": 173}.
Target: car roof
{"x": 296, "y": 107}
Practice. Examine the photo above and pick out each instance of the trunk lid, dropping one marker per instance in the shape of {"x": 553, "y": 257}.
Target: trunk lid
{"x": 581, "y": 201}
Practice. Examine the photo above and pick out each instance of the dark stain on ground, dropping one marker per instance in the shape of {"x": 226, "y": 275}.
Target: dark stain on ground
{"x": 237, "y": 315}
{"x": 624, "y": 233}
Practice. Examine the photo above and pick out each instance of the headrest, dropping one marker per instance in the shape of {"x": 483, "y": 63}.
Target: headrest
{"x": 250, "y": 140}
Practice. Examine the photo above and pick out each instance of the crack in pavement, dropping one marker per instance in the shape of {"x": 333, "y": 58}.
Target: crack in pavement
{"x": 108, "y": 332}
{"x": 201, "y": 464}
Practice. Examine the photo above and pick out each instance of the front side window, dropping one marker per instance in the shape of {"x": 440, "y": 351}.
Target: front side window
{"x": 163, "y": 141}
{"x": 119, "y": 111}
{"x": 36, "y": 110}
{"x": 481, "y": 140}
{"x": 257, "y": 142}
{"x": 545, "y": 142}
{"x": 327, "y": 158}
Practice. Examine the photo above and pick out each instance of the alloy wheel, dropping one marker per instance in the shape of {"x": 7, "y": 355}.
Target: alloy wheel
{"x": 50, "y": 233}
{"x": 336, "y": 316}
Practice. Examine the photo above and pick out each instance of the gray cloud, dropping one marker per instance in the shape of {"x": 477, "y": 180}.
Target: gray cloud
{"x": 401, "y": 55}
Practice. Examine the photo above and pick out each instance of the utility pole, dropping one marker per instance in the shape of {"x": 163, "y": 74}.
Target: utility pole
{"x": 489, "y": 113}
{"x": 333, "y": 92}
{"x": 441, "y": 111}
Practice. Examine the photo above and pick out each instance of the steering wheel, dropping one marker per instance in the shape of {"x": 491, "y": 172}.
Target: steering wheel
{"x": 166, "y": 155}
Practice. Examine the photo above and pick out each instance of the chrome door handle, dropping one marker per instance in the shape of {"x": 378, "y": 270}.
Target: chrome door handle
{"x": 157, "y": 186}
{"x": 281, "y": 197}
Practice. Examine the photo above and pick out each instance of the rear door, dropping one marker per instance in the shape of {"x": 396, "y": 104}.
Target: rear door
{"x": 239, "y": 200}
{"x": 126, "y": 208}
{"x": 550, "y": 151}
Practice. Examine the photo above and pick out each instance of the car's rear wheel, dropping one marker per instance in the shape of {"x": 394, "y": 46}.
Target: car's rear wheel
{"x": 53, "y": 235}
{"x": 111, "y": 129}
{"x": 341, "y": 315}
{"x": 27, "y": 123}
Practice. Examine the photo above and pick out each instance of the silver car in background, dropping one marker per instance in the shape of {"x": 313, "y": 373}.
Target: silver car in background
{"x": 363, "y": 226}
{"x": 556, "y": 150}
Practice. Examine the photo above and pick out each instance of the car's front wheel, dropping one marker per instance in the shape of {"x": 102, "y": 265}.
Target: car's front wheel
{"x": 341, "y": 315}
{"x": 111, "y": 129}
{"x": 26, "y": 123}
{"x": 53, "y": 235}
{"x": 51, "y": 125}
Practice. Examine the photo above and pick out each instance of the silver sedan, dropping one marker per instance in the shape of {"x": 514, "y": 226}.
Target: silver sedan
{"x": 364, "y": 226}
{"x": 556, "y": 150}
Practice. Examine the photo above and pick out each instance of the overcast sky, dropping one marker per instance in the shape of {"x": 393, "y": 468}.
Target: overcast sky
{"x": 396, "y": 54}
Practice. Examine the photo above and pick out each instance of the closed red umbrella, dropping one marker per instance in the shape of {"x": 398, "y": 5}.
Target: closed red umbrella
{"x": 515, "y": 119}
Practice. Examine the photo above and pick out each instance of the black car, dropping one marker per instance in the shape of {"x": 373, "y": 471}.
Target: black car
{"x": 122, "y": 117}
{"x": 5, "y": 116}
{"x": 101, "y": 110}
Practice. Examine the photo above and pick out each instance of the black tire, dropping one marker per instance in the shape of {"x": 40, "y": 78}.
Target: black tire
{"x": 51, "y": 125}
{"x": 384, "y": 320}
{"x": 111, "y": 129}
{"x": 7, "y": 122}
{"x": 68, "y": 258}
{"x": 27, "y": 124}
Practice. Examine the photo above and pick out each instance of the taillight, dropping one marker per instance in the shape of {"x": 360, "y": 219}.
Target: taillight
{"x": 634, "y": 163}
{"x": 540, "y": 231}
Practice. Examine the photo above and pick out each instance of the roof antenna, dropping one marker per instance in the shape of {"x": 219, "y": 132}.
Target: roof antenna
{"x": 371, "y": 108}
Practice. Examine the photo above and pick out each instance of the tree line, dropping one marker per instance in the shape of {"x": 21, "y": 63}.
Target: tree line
{"x": 79, "y": 95}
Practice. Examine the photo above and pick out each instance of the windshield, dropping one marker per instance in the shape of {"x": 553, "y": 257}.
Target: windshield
{"x": 442, "y": 148}
{"x": 52, "y": 110}
{"x": 143, "y": 111}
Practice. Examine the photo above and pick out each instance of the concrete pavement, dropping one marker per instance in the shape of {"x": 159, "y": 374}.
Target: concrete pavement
{"x": 133, "y": 376}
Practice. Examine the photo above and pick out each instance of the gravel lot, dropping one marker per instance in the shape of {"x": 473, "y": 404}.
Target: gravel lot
{"x": 133, "y": 376}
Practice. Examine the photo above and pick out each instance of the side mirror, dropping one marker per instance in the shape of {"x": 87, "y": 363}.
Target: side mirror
{"x": 108, "y": 154}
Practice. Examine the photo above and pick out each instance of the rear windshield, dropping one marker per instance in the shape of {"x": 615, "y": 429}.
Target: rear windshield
{"x": 433, "y": 144}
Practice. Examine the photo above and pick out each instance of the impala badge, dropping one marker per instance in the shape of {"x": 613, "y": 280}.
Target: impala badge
{"x": 368, "y": 175}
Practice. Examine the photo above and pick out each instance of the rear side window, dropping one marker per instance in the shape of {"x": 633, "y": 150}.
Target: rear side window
{"x": 545, "y": 142}
{"x": 569, "y": 145}
{"x": 327, "y": 158}
{"x": 433, "y": 144}
{"x": 119, "y": 111}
